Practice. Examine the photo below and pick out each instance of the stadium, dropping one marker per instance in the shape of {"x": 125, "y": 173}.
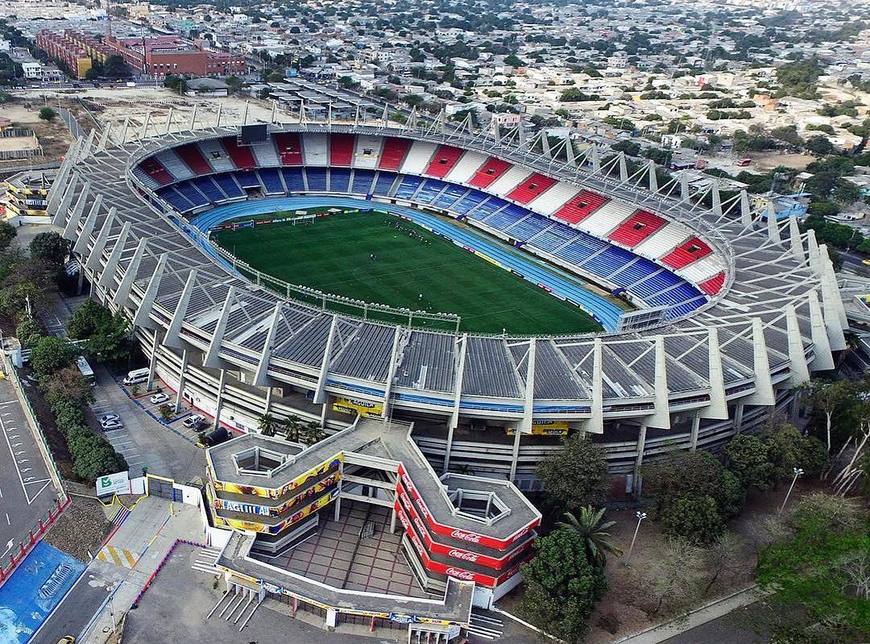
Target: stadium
{"x": 497, "y": 291}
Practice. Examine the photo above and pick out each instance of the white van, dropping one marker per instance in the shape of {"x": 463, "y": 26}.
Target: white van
{"x": 136, "y": 376}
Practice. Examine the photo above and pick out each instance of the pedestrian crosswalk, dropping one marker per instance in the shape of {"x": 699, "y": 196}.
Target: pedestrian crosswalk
{"x": 484, "y": 626}
{"x": 205, "y": 560}
{"x": 118, "y": 556}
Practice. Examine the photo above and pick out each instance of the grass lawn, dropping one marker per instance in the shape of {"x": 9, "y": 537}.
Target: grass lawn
{"x": 364, "y": 256}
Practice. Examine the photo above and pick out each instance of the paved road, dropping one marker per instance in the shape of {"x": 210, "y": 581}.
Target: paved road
{"x": 26, "y": 490}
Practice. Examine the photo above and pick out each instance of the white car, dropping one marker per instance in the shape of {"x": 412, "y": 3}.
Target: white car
{"x": 193, "y": 421}
{"x": 159, "y": 399}
{"x": 112, "y": 424}
{"x": 108, "y": 418}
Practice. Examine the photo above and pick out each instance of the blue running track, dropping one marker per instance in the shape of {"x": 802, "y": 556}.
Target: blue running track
{"x": 604, "y": 311}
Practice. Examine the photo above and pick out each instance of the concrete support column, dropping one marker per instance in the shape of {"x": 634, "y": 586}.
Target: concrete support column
{"x": 393, "y": 520}
{"x": 152, "y": 361}
{"x": 181, "y": 377}
{"x": 268, "y": 406}
{"x": 337, "y": 505}
{"x": 794, "y": 407}
{"x": 324, "y": 412}
{"x": 219, "y": 403}
{"x": 638, "y": 461}
{"x": 738, "y": 417}
{"x": 516, "y": 454}
{"x": 696, "y": 425}
{"x": 450, "y": 429}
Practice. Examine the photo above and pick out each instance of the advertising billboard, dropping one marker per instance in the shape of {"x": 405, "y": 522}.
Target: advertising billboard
{"x": 118, "y": 483}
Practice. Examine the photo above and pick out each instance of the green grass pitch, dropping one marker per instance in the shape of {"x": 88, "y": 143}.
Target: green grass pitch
{"x": 363, "y": 256}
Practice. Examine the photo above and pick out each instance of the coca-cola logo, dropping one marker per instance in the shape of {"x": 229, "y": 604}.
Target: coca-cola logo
{"x": 460, "y": 574}
{"x": 464, "y": 555}
{"x": 470, "y": 537}
{"x": 419, "y": 525}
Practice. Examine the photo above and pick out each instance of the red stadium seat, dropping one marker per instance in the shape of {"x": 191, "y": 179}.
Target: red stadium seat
{"x": 713, "y": 285}
{"x": 289, "y": 148}
{"x": 491, "y": 170}
{"x": 636, "y": 228}
{"x": 443, "y": 160}
{"x": 530, "y": 188}
{"x": 393, "y": 153}
{"x": 341, "y": 149}
{"x": 686, "y": 253}
{"x": 243, "y": 157}
{"x": 193, "y": 157}
{"x": 580, "y": 207}
{"x": 154, "y": 169}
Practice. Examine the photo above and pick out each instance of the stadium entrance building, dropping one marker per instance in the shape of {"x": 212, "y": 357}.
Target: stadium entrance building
{"x": 463, "y": 538}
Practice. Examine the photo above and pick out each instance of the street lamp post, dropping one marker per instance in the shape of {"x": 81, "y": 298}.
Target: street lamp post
{"x": 640, "y": 517}
{"x": 797, "y": 472}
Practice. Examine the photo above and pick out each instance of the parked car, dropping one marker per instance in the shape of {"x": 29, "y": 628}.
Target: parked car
{"x": 159, "y": 398}
{"x": 105, "y": 418}
{"x": 193, "y": 421}
{"x": 218, "y": 436}
{"x": 112, "y": 425}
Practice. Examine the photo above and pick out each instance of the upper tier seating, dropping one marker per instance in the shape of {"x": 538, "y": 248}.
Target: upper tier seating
{"x": 606, "y": 218}
{"x": 367, "y": 152}
{"x": 271, "y": 180}
{"x": 636, "y": 228}
{"x": 289, "y": 146}
{"x": 689, "y": 251}
{"x": 341, "y": 149}
{"x": 154, "y": 169}
{"x": 418, "y": 157}
{"x": 713, "y": 285}
{"x": 393, "y": 153}
{"x": 227, "y": 183}
{"x": 362, "y": 181}
{"x": 664, "y": 240}
{"x": 176, "y": 167}
{"x": 555, "y": 198}
{"x": 580, "y": 206}
{"x": 443, "y": 160}
{"x": 531, "y": 188}
{"x": 465, "y": 168}
{"x": 339, "y": 180}
{"x": 315, "y": 149}
{"x": 266, "y": 154}
{"x": 216, "y": 155}
{"x": 491, "y": 170}
{"x": 242, "y": 156}
{"x": 193, "y": 157}
{"x": 508, "y": 181}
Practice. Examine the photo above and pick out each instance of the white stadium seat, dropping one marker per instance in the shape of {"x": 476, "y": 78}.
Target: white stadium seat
{"x": 508, "y": 181}
{"x": 215, "y": 154}
{"x": 367, "y": 152}
{"x": 177, "y": 168}
{"x": 266, "y": 154}
{"x": 315, "y": 150}
{"x": 663, "y": 241}
{"x": 703, "y": 269}
{"x": 606, "y": 218}
{"x": 418, "y": 157}
{"x": 554, "y": 198}
{"x": 466, "y": 167}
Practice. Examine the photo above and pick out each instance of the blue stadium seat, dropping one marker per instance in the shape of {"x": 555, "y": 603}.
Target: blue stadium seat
{"x": 555, "y": 236}
{"x": 272, "y": 181}
{"x": 190, "y": 193}
{"x": 469, "y": 201}
{"x": 339, "y": 180}
{"x": 362, "y": 182}
{"x": 655, "y": 284}
{"x": 637, "y": 270}
{"x": 580, "y": 249}
{"x": 610, "y": 260}
{"x": 248, "y": 180}
{"x": 207, "y": 187}
{"x": 447, "y": 198}
{"x": 293, "y": 179}
{"x": 684, "y": 308}
{"x": 681, "y": 293}
{"x": 408, "y": 187}
{"x": 506, "y": 217}
{"x": 175, "y": 199}
{"x": 429, "y": 191}
{"x": 528, "y": 227}
{"x": 316, "y": 179}
{"x": 384, "y": 183}
{"x": 228, "y": 184}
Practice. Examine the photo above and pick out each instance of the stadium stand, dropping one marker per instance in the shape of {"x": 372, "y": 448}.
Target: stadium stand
{"x": 491, "y": 170}
{"x": 362, "y": 181}
{"x": 465, "y": 167}
{"x": 315, "y": 149}
{"x": 442, "y": 162}
{"x": 636, "y": 228}
{"x": 384, "y": 183}
{"x": 154, "y": 169}
{"x": 689, "y": 251}
{"x": 701, "y": 270}
{"x": 513, "y": 177}
{"x": 554, "y": 198}
{"x": 486, "y": 208}
{"x": 248, "y": 180}
{"x": 341, "y": 148}
{"x": 667, "y": 238}
{"x": 265, "y": 154}
{"x": 316, "y": 178}
{"x": 176, "y": 167}
{"x": 528, "y": 227}
{"x": 580, "y": 249}
{"x": 531, "y": 188}
{"x": 418, "y": 157}
{"x": 191, "y": 155}
{"x": 407, "y": 187}
{"x": 393, "y": 153}
{"x": 640, "y": 269}
{"x": 214, "y": 152}
{"x": 469, "y": 202}
{"x": 241, "y": 155}
{"x": 580, "y": 207}
{"x": 294, "y": 179}
{"x": 227, "y": 183}
{"x": 659, "y": 281}
{"x": 682, "y": 292}
{"x": 608, "y": 261}
{"x": 289, "y": 146}
{"x": 189, "y": 192}
{"x": 175, "y": 199}
{"x": 713, "y": 285}
{"x": 339, "y": 179}
{"x": 208, "y": 187}
{"x": 429, "y": 190}
{"x": 552, "y": 238}
{"x": 271, "y": 180}
{"x": 606, "y": 218}
{"x": 450, "y": 196}
{"x": 367, "y": 152}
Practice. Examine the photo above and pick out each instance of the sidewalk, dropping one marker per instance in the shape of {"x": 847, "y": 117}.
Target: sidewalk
{"x": 707, "y": 613}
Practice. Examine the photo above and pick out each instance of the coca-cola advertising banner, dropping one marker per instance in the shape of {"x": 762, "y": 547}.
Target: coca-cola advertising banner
{"x": 462, "y": 535}
{"x": 454, "y": 553}
{"x": 446, "y": 569}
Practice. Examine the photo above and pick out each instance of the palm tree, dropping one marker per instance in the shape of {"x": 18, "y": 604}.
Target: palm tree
{"x": 312, "y": 433}
{"x": 292, "y": 424}
{"x": 267, "y": 425}
{"x": 589, "y": 526}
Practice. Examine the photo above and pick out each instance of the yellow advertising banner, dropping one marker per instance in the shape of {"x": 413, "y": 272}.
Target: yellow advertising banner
{"x": 353, "y": 406}
{"x": 332, "y": 464}
{"x": 546, "y": 428}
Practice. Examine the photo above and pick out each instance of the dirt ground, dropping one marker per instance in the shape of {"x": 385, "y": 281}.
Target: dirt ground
{"x": 768, "y": 161}
{"x": 54, "y": 137}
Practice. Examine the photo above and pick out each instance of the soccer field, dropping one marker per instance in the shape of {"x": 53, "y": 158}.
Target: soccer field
{"x": 380, "y": 258}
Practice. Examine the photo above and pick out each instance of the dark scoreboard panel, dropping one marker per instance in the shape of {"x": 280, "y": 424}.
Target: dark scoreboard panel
{"x": 251, "y": 134}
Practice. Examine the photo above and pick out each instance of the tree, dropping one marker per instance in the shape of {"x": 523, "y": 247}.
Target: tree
{"x": 724, "y": 559}
{"x": 514, "y": 61}
{"x": 589, "y": 526}
{"x": 51, "y": 354}
{"x": 692, "y": 474}
{"x": 50, "y": 248}
{"x": 828, "y": 397}
{"x": 787, "y": 449}
{"x": 577, "y": 475}
{"x": 47, "y": 114}
{"x": 561, "y": 586}
{"x": 234, "y": 84}
{"x": 819, "y": 145}
{"x": 312, "y": 433}
{"x": 68, "y": 384}
{"x": 28, "y": 332}
{"x": 267, "y": 425}
{"x": 694, "y": 518}
{"x": 116, "y": 67}
{"x": 7, "y": 234}
{"x": 671, "y": 581}
{"x": 106, "y": 332}
{"x": 748, "y": 458}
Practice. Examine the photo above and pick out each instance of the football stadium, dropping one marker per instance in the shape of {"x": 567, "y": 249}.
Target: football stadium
{"x": 496, "y": 290}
